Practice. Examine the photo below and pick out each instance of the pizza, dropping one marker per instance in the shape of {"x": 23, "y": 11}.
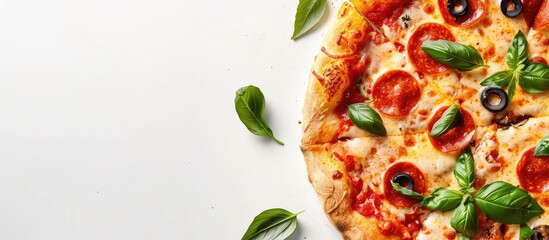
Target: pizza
{"x": 430, "y": 120}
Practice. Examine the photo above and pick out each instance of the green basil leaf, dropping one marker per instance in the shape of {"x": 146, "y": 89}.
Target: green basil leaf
{"x": 512, "y": 87}
{"x": 542, "y": 149}
{"x": 250, "y": 106}
{"x": 308, "y": 14}
{"x": 500, "y": 79}
{"x": 366, "y": 118}
{"x": 453, "y": 54}
{"x": 518, "y": 51}
{"x": 535, "y": 78}
{"x": 464, "y": 219}
{"x": 464, "y": 169}
{"x": 272, "y": 224}
{"x": 525, "y": 232}
{"x": 449, "y": 119}
{"x": 405, "y": 191}
{"x": 506, "y": 203}
{"x": 442, "y": 200}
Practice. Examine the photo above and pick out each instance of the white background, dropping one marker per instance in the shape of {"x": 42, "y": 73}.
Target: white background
{"x": 117, "y": 118}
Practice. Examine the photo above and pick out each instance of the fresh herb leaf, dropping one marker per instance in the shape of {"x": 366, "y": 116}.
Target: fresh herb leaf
{"x": 464, "y": 169}
{"x": 518, "y": 51}
{"x": 511, "y": 89}
{"x": 506, "y": 203}
{"x": 250, "y": 106}
{"x": 542, "y": 149}
{"x": 442, "y": 200}
{"x": 500, "y": 79}
{"x": 453, "y": 54}
{"x": 272, "y": 224}
{"x": 535, "y": 78}
{"x": 525, "y": 232}
{"x": 449, "y": 119}
{"x": 405, "y": 191}
{"x": 366, "y": 118}
{"x": 464, "y": 219}
{"x": 308, "y": 14}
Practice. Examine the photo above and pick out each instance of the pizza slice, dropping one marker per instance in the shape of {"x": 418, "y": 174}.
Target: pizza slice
{"x": 353, "y": 179}
{"x": 334, "y": 75}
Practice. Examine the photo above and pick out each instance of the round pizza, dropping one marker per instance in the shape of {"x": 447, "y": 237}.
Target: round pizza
{"x": 430, "y": 120}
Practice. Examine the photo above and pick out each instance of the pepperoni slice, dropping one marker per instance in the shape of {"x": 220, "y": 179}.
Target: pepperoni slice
{"x": 418, "y": 57}
{"x": 533, "y": 172}
{"x": 538, "y": 59}
{"x": 457, "y": 138}
{"x": 391, "y": 194}
{"x": 477, "y": 10}
{"x": 396, "y": 93}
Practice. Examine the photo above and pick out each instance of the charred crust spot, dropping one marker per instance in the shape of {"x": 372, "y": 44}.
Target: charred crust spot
{"x": 509, "y": 119}
{"x": 340, "y": 226}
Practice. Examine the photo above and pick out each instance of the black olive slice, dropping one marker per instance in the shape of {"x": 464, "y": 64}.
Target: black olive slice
{"x": 462, "y": 10}
{"x": 540, "y": 233}
{"x": 405, "y": 180}
{"x": 517, "y": 8}
{"x": 491, "y": 91}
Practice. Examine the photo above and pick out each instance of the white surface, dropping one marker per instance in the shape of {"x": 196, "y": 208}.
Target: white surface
{"x": 117, "y": 118}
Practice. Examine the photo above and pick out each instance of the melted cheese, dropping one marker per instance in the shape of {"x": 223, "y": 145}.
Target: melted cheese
{"x": 436, "y": 226}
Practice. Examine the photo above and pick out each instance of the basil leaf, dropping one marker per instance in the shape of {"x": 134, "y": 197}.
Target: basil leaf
{"x": 506, "y": 203}
{"x": 250, "y": 106}
{"x": 464, "y": 169}
{"x": 500, "y": 79}
{"x": 449, "y": 119}
{"x": 518, "y": 51}
{"x": 511, "y": 89}
{"x": 535, "y": 78}
{"x": 308, "y": 14}
{"x": 272, "y": 224}
{"x": 453, "y": 54}
{"x": 366, "y": 118}
{"x": 405, "y": 191}
{"x": 542, "y": 149}
{"x": 464, "y": 219}
{"x": 442, "y": 200}
{"x": 525, "y": 232}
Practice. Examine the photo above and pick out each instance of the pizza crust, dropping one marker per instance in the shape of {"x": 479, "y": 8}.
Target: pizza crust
{"x": 334, "y": 195}
{"x": 320, "y": 124}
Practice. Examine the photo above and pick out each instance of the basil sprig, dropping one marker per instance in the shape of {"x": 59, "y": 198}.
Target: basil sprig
{"x": 308, "y": 14}
{"x": 500, "y": 201}
{"x": 366, "y": 118}
{"x": 542, "y": 149}
{"x": 272, "y": 224}
{"x": 525, "y": 232}
{"x": 464, "y": 169}
{"x": 449, "y": 119}
{"x": 531, "y": 77}
{"x": 405, "y": 191}
{"x": 250, "y": 107}
{"x": 453, "y": 54}
{"x": 506, "y": 203}
{"x": 464, "y": 218}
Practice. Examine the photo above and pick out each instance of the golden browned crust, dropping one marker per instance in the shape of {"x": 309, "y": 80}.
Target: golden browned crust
{"x": 334, "y": 195}
{"x": 331, "y": 76}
